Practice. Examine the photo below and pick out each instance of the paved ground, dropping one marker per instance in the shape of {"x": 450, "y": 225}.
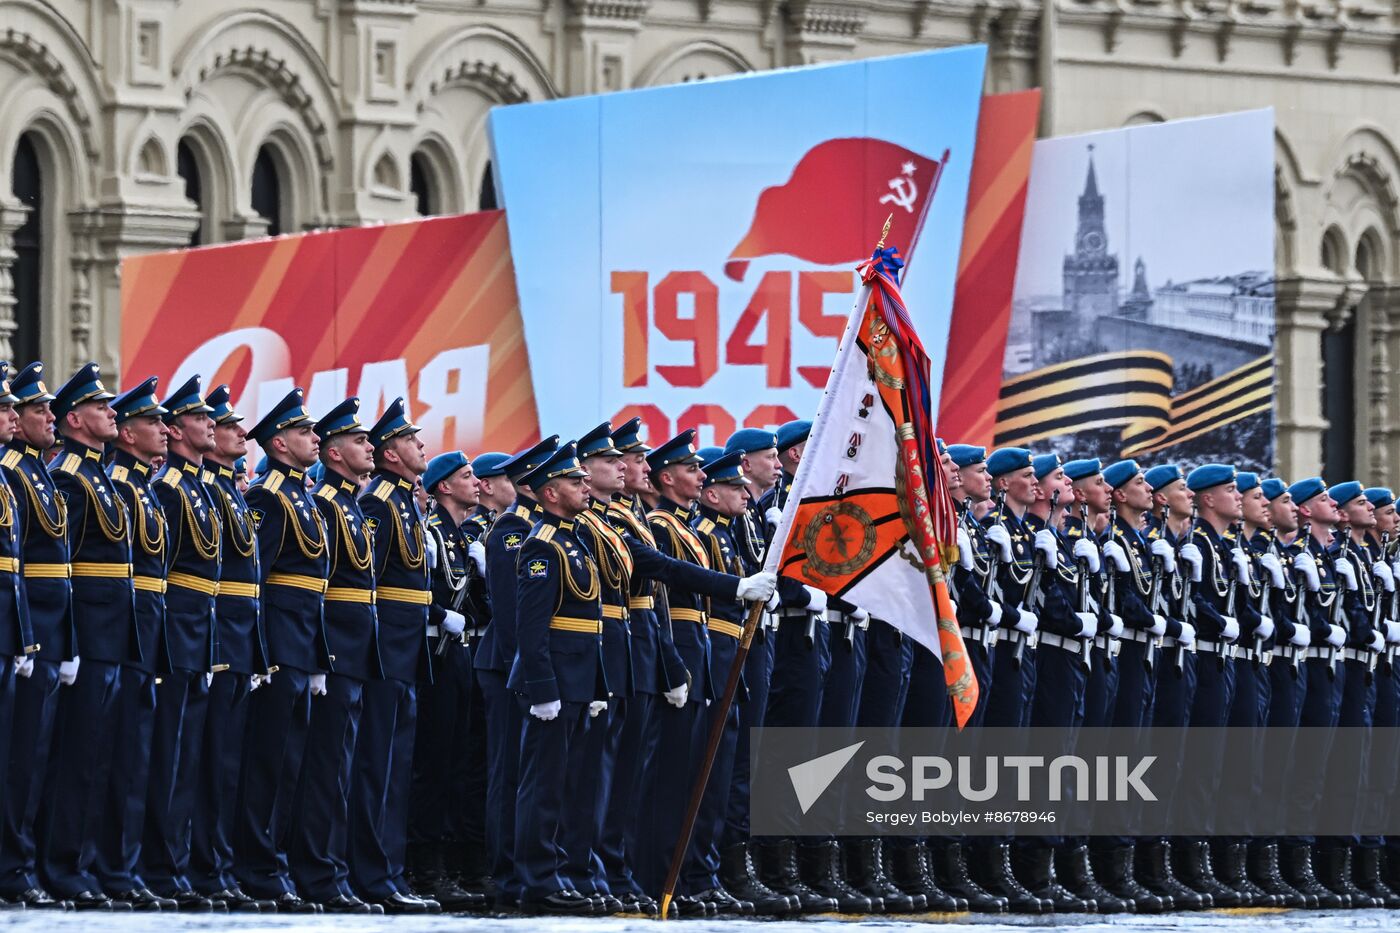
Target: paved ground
{"x": 1218, "y": 921}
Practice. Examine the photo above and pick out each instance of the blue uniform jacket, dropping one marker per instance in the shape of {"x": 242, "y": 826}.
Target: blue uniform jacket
{"x": 242, "y": 637}
{"x": 16, "y": 633}
{"x": 42, "y": 519}
{"x": 508, "y": 533}
{"x": 191, "y": 631}
{"x": 149, "y": 540}
{"x": 352, "y": 625}
{"x": 401, "y": 576}
{"x": 656, "y": 665}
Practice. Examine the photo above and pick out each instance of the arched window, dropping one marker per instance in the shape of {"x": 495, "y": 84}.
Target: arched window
{"x": 27, "y": 184}
{"x": 188, "y": 168}
{"x": 487, "y": 200}
{"x": 1338, "y": 375}
{"x": 422, "y": 182}
{"x": 267, "y": 190}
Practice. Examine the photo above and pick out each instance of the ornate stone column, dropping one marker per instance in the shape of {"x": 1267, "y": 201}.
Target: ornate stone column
{"x": 1302, "y": 306}
{"x": 13, "y": 214}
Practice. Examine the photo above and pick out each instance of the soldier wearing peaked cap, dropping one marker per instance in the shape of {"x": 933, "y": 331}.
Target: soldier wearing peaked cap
{"x": 141, "y": 435}
{"x": 1381, "y": 546}
{"x": 447, "y": 815}
{"x": 243, "y": 648}
{"x": 41, "y": 518}
{"x": 100, "y": 546}
{"x": 493, "y": 659}
{"x": 407, "y": 617}
{"x": 294, "y": 565}
{"x": 192, "y": 645}
{"x": 16, "y": 634}
{"x": 316, "y": 849}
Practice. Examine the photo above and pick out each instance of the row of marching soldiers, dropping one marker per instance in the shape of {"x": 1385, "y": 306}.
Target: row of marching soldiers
{"x": 1124, "y": 596}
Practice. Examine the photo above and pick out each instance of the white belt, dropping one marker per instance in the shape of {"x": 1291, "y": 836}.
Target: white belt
{"x": 1224, "y": 649}
{"x": 434, "y": 631}
{"x": 1288, "y": 651}
{"x": 1170, "y": 642}
{"x": 1139, "y": 636}
{"x": 981, "y": 634}
{"x": 1364, "y": 655}
{"x": 1108, "y": 643}
{"x": 801, "y": 614}
{"x": 1015, "y": 636}
{"x": 837, "y": 617}
{"x": 1064, "y": 642}
{"x": 1322, "y": 652}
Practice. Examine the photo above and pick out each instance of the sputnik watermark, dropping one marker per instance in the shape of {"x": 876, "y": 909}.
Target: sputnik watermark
{"x": 1065, "y": 777}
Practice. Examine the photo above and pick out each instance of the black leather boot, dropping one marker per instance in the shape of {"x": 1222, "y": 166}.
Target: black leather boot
{"x": 1114, "y": 870}
{"x": 1156, "y": 872}
{"x": 1035, "y": 866}
{"x": 999, "y": 880}
{"x": 1262, "y": 867}
{"x": 1390, "y": 868}
{"x": 1228, "y": 861}
{"x": 949, "y": 865}
{"x": 865, "y": 871}
{"x": 1194, "y": 870}
{"x": 776, "y": 862}
{"x": 1336, "y": 874}
{"x": 1366, "y": 873}
{"x": 1298, "y": 870}
{"x": 907, "y": 869}
{"x": 737, "y": 875}
{"x": 1075, "y": 873}
{"x": 819, "y": 865}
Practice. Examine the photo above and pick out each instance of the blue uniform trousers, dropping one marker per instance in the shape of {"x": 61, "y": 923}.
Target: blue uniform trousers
{"x": 889, "y": 656}
{"x": 1384, "y": 770}
{"x": 926, "y": 706}
{"x": 800, "y": 669}
{"x": 1253, "y": 690}
{"x": 1215, "y": 691}
{"x": 1009, "y": 701}
{"x": 758, "y": 672}
{"x": 381, "y": 780}
{"x": 31, "y": 736}
{"x": 317, "y": 843}
{"x": 544, "y": 785}
{"x": 1100, "y": 688}
{"x": 448, "y": 804}
{"x": 1287, "y": 686}
{"x": 701, "y": 869}
{"x": 1176, "y": 689}
{"x": 124, "y": 807}
{"x": 503, "y": 736}
{"x": 624, "y": 827}
{"x": 590, "y": 770}
{"x": 79, "y": 766}
{"x": 845, "y": 677}
{"x": 1357, "y": 711}
{"x": 1131, "y": 705}
{"x": 278, "y": 716}
{"x": 982, "y": 659}
{"x": 665, "y": 801}
{"x": 211, "y": 830}
{"x": 615, "y": 802}
{"x": 1322, "y": 705}
{"x": 182, "y": 701}
{"x": 7, "y": 715}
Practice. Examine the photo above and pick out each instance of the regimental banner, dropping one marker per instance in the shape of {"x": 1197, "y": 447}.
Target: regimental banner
{"x": 426, "y": 310}
{"x": 1143, "y": 316}
{"x": 996, "y": 203}
{"x": 685, "y": 253}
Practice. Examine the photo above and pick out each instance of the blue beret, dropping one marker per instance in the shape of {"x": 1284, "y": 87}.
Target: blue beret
{"x": 966, "y": 454}
{"x": 562, "y": 463}
{"x": 1160, "y": 477}
{"x": 1273, "y": 488}
{"x": 792, "y": 434}
{"x": 678, "y": 450}
{"x": 223, "y": 407}
{"x": 186, "y": 400}
{"x": 262, "y": 466}
{"x": 525, "y": 462}
{"x": 317, "y": 472}
{"x": 1305, "y": 489}
{"x": 489, "y": 464}
{"x": 442, "y": 467}
{"x": 942, "y": 447}
{"x": 1244, "y": 482}
{"x": 1118, "y": 474}
{"x": 1045, "y": 464}
{"x": 84, "y": 386}
{"x": 709, "y": 454}
{"x": 1008, "y": 460}
{"x": 1380, "y": 496}
{"x": 1210, "y": 475}
{"x": 1345, "y": 492}
{"x": 29, "y": 386}
{"x": 393, "y": 423}
{"x": 1083, "y": 469}
{"x": 751, "y": 441}
{"x": 139, "y": 402}
{"x": 342, "y": 419}
{"x": 598, "y": 443}
{"x": 288, "y": 413}
{"x": 726, "y": 468}
{"x": 628, "y": 438}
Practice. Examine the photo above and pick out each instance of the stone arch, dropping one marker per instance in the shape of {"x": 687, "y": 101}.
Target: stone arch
{"x": 301, "y": 191}
{"x": 1287, "y": 180}
{"x": 1145, "y": 116}
{"x": 1363, "y": 189}
{"x": 712, "y": 59}
{"x": 1370, "y": 260}
{"x": 1333, "y": 254}
{"x": 45, "y": 48}
{"x": 386, "y": 173}
{"x": 444, "y": 173}
{"x": 219, "y": 184}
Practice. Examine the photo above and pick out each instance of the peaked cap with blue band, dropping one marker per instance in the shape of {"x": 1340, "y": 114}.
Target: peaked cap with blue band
{"x": 677, "y": 451}
{"x": 528, "y": 459}
{"x": 1119, "y": 474}
{"x": 751, "y": 441}
{"x": 1305, "y": 489}
{"x": 1210, "y": 475}
{"x": 223, "y": 406}
{"x": 186, "y": 400}
{"x": 561, "y": 464}
{"x": 628, "y": 438}
{"x": 7, "y": 373}
{"x": 393, "y": 423}
{"x": 1380, "y": 497}
{"x": 85, "y": 385}
{"x": 140, "y": 402}
{"x": 342, "y": 419}
{"x": 725, "y": 469}
{"x": 1045, "y": 464}
{"x": 288, "y": 413}
{"x": 792, "y": 434}
{"x": 1273, "y": 488}
{"x": 442, "y": 467}
{"x": 966, "y": 454}
{"x": 490, "y": 464}
{"x": 1008, "y": 460}
{"x": 598, "y": 443}
{"x": 1345, "y": 492}
{"x": 29, "y": 386}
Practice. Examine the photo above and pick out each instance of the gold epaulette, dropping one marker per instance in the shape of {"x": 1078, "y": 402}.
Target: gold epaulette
{"x": 273, "y": 481}
{"x": 382, "y": 491}
{"x": 543, "y": 532}
{"x": 326, "y": 492}
{"x": 170, "y": 477}
{"x": 120, "y": 474}
{"x": 70, "y": 463}
{"x": 11, "y": 458}
{"x": 705, "y": 526}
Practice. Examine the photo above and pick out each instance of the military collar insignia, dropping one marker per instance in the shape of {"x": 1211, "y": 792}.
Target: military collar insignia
{"x": 405, "y": 484}
{"x": 191, "y": 468}
{"x": 296, "y": 474}
{"x": 141, "y": 467}
{"x": 93, "y": 454}
{"x": 31, "y": 451}
{"x": 225, "y": 472}
{"x": 344, "y": 485}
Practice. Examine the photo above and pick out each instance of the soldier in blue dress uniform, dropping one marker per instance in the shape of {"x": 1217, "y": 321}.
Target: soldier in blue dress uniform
{"x": 316, "y": 851}
{"x": 42, "y": 520}
{"x": 100, "y": 545}
{"x": 16, "y": 635}
{"x": 243, "y": 657}
{"x": 383, "y": 772}
{"x": 141, "y": 436}
{"x": 294, "y": 566}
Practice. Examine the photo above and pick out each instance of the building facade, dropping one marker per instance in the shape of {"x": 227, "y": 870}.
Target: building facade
{"x": 134, "y": 125}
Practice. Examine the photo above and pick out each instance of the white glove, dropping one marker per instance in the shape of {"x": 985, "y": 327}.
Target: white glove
{"x": 318, "y": 685}
{"x": 1114, "y": 553}
{"x": 1307, "y": 566}
{"x": 208, "y": 678}
{"x": 546, "y": 711}
{"x": 677, "y": 696}
{"x": 1088, "y": 623}
{"x": 758, "y": 587}
{"x": 773, "y": 516}
{"x": 1187, "y": 637}
{"x": 596, "y": 707}
{"x": 68, "y": 672}
{"x": 1115, "y": 628}
{"x": 476, "y": 553}
{"x": 1231, "y": 631}
{"x": 1336, "y": 636}
{"x": 1163, "y": 549}
{"x": 24, "y": 666}
{"x": 1028, "y": 622}
{"x": 255, "y": 681}
{"x": 1158, "y": 626}
{"x": 1395, "y": 569}
{"x": 1192, "y": 555}
{"x": 862, "y": 618}
{"x": 964, "y": 549}
{"x": 1392, "y": 632}
{"x": 998, "y": 535}
{"x": 995, "y": 619}
{"x": 454, "y": 622}
{"x": 1271, "y": 563}
{"x": 431, "y": 538}
{"x": 1046, "y": 544}
{"x": 1241, "y": 565}
{"x": 1265, "y": 629}
{"x": 1084, "y": 550}
{"x": 816, "y": 600}
{"x": 1347, "y": 573}
{"x": 1301, "y": 636}
{"x": 1377, "y": 642}
{"x": 774, "y": 603}
{"x": 1384, "y": 574}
